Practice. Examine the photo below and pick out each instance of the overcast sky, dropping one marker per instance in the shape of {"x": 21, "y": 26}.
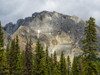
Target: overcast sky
{"x": 12, "y": 10}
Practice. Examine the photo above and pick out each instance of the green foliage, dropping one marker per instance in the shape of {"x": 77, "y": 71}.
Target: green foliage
{"x": 1, "y": 41}
{"x": 75, "y": 66}
{"x": 39, "y": 61}
{"x": 13, "y": 56}
{"x": 55, "y": 58}
{"x": 68, "y": 65}
{"x": 47, "y": 63}
{"x": 55, "y": 65}
{"x": 20, "y": 64}
{"x": 89, "y": 48}
{"x": 90, "y": 68}
{"x": 63, "y": 68}
{"x": 5, "y": 65}
{"x": 90, "y": 42}
{"x": 52, "y": 67}
{"x": 1, "y": 49}
{"x": 3, "y": 58}
{"x": 28, "y": 59}
{"x": 98, "y": 67}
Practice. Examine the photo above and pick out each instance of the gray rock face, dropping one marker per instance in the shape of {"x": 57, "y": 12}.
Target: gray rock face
{"x": 59, "y": 32}
{"x": 9, "y": 28}
{"x": 6, "y": 36}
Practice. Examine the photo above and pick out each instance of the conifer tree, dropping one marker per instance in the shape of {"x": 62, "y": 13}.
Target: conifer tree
{"x": 89, "y": 48}
{"x": 11, "y": 58}
{"x": 39, "y": 61}
{"x": 52, "y": 67}
{"x": 28, "y": 59}
{"x": 7, "y": 51}
{"x": 75, "y": 66}
{"x": 16, "y": 55}
{"x": 26, "y": 72}
{"x": 55, "y": 58}
{"x": 47, "y": 63}
{"x": 63, "y": 70}
{"x": 20, "y": 64}
{"x": 17, "y": 49}
{"x": 7, "y": 57}
{"x": 98, "y": 67}
{"x": 3, "y": 59}
{"x": 68, "y": 65}
{"x": 5, "y": 65}
{"x": 55, "y": 69}
{"x": 1, "y": 49}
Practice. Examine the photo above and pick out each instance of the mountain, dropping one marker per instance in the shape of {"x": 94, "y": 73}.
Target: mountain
{"x": 7, "y": 37}
{"x": 57, "y": 31}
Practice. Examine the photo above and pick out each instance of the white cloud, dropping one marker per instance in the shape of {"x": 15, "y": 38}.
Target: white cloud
{"x": 11, "y": 10}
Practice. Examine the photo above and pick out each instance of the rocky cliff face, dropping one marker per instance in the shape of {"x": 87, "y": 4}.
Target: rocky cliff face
{"x": 7, "y": 37}
{"x": 57, "y": 31}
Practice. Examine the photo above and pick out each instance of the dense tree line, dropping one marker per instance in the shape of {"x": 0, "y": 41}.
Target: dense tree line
{"x": 13, "y": 61}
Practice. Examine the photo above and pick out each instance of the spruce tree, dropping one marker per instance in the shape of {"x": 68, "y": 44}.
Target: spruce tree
{"x": 68, "y": 65}
{"x": 39, "y": 61}
{"x": 55, "y": 58}
{"x": 26, "y": 72}
{"x": 20, "y": 64}
{"x": 51, "y": 59}
{"x": 3, "y": 59}
{"x": 89, "y": 48}
{"x": 7, "y": 51}
{"x": 1, "y": 49}
{"x": 98, "y": 67}
{"x": 47, "y": 63}
{"x": 11, "y": 58}
{"x": 63, "y": 70}
{"x": 55, "y": 66}
{"x": 75, "y": 66}
{"x": 28, "y": 59}
{"x": 16, "y": 55}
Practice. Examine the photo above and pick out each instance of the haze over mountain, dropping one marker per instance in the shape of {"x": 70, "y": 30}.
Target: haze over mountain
{"x": 57, "y": 31}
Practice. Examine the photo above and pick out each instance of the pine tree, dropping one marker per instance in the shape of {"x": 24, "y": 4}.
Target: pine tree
{"x": 55, "y": 69}
{"x": 20, "y": 64}
{"x": 16, "y": 56}
{"x": 1, "y": 49}
{"x": 68, "y": 65}
{"x": 28, "y": 59}
{"x": 98, "y": 67}
{"x": 3, "y": 59}
{"x": 75, "y": 66}
{"x": 63, "y": 69}
{"x": 47, "y": 63}
{"x": 89, "y": 48}
{"x": 13, "y": 56}
{"x": 30, "y": 67}
{"x": 51, "y": 59}
{"x": 39, "y": 62}
{"x": 26, "y": 72}
{"x": 11, "y": 59}
{"x": 7, "y": 51}
{"x": 5, "y": 65}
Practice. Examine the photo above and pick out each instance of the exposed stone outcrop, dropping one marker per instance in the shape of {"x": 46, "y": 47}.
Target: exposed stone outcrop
{"x": 57, "y": 31}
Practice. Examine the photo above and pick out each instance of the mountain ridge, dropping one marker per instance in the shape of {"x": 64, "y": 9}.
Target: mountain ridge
{"x": 59, "y": 32}
{"x": 11, "y": 26}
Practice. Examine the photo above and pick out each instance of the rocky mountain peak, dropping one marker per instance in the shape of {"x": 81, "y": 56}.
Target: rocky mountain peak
{"x": 37, "y": 15}
{"x": 57, "y": 31}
